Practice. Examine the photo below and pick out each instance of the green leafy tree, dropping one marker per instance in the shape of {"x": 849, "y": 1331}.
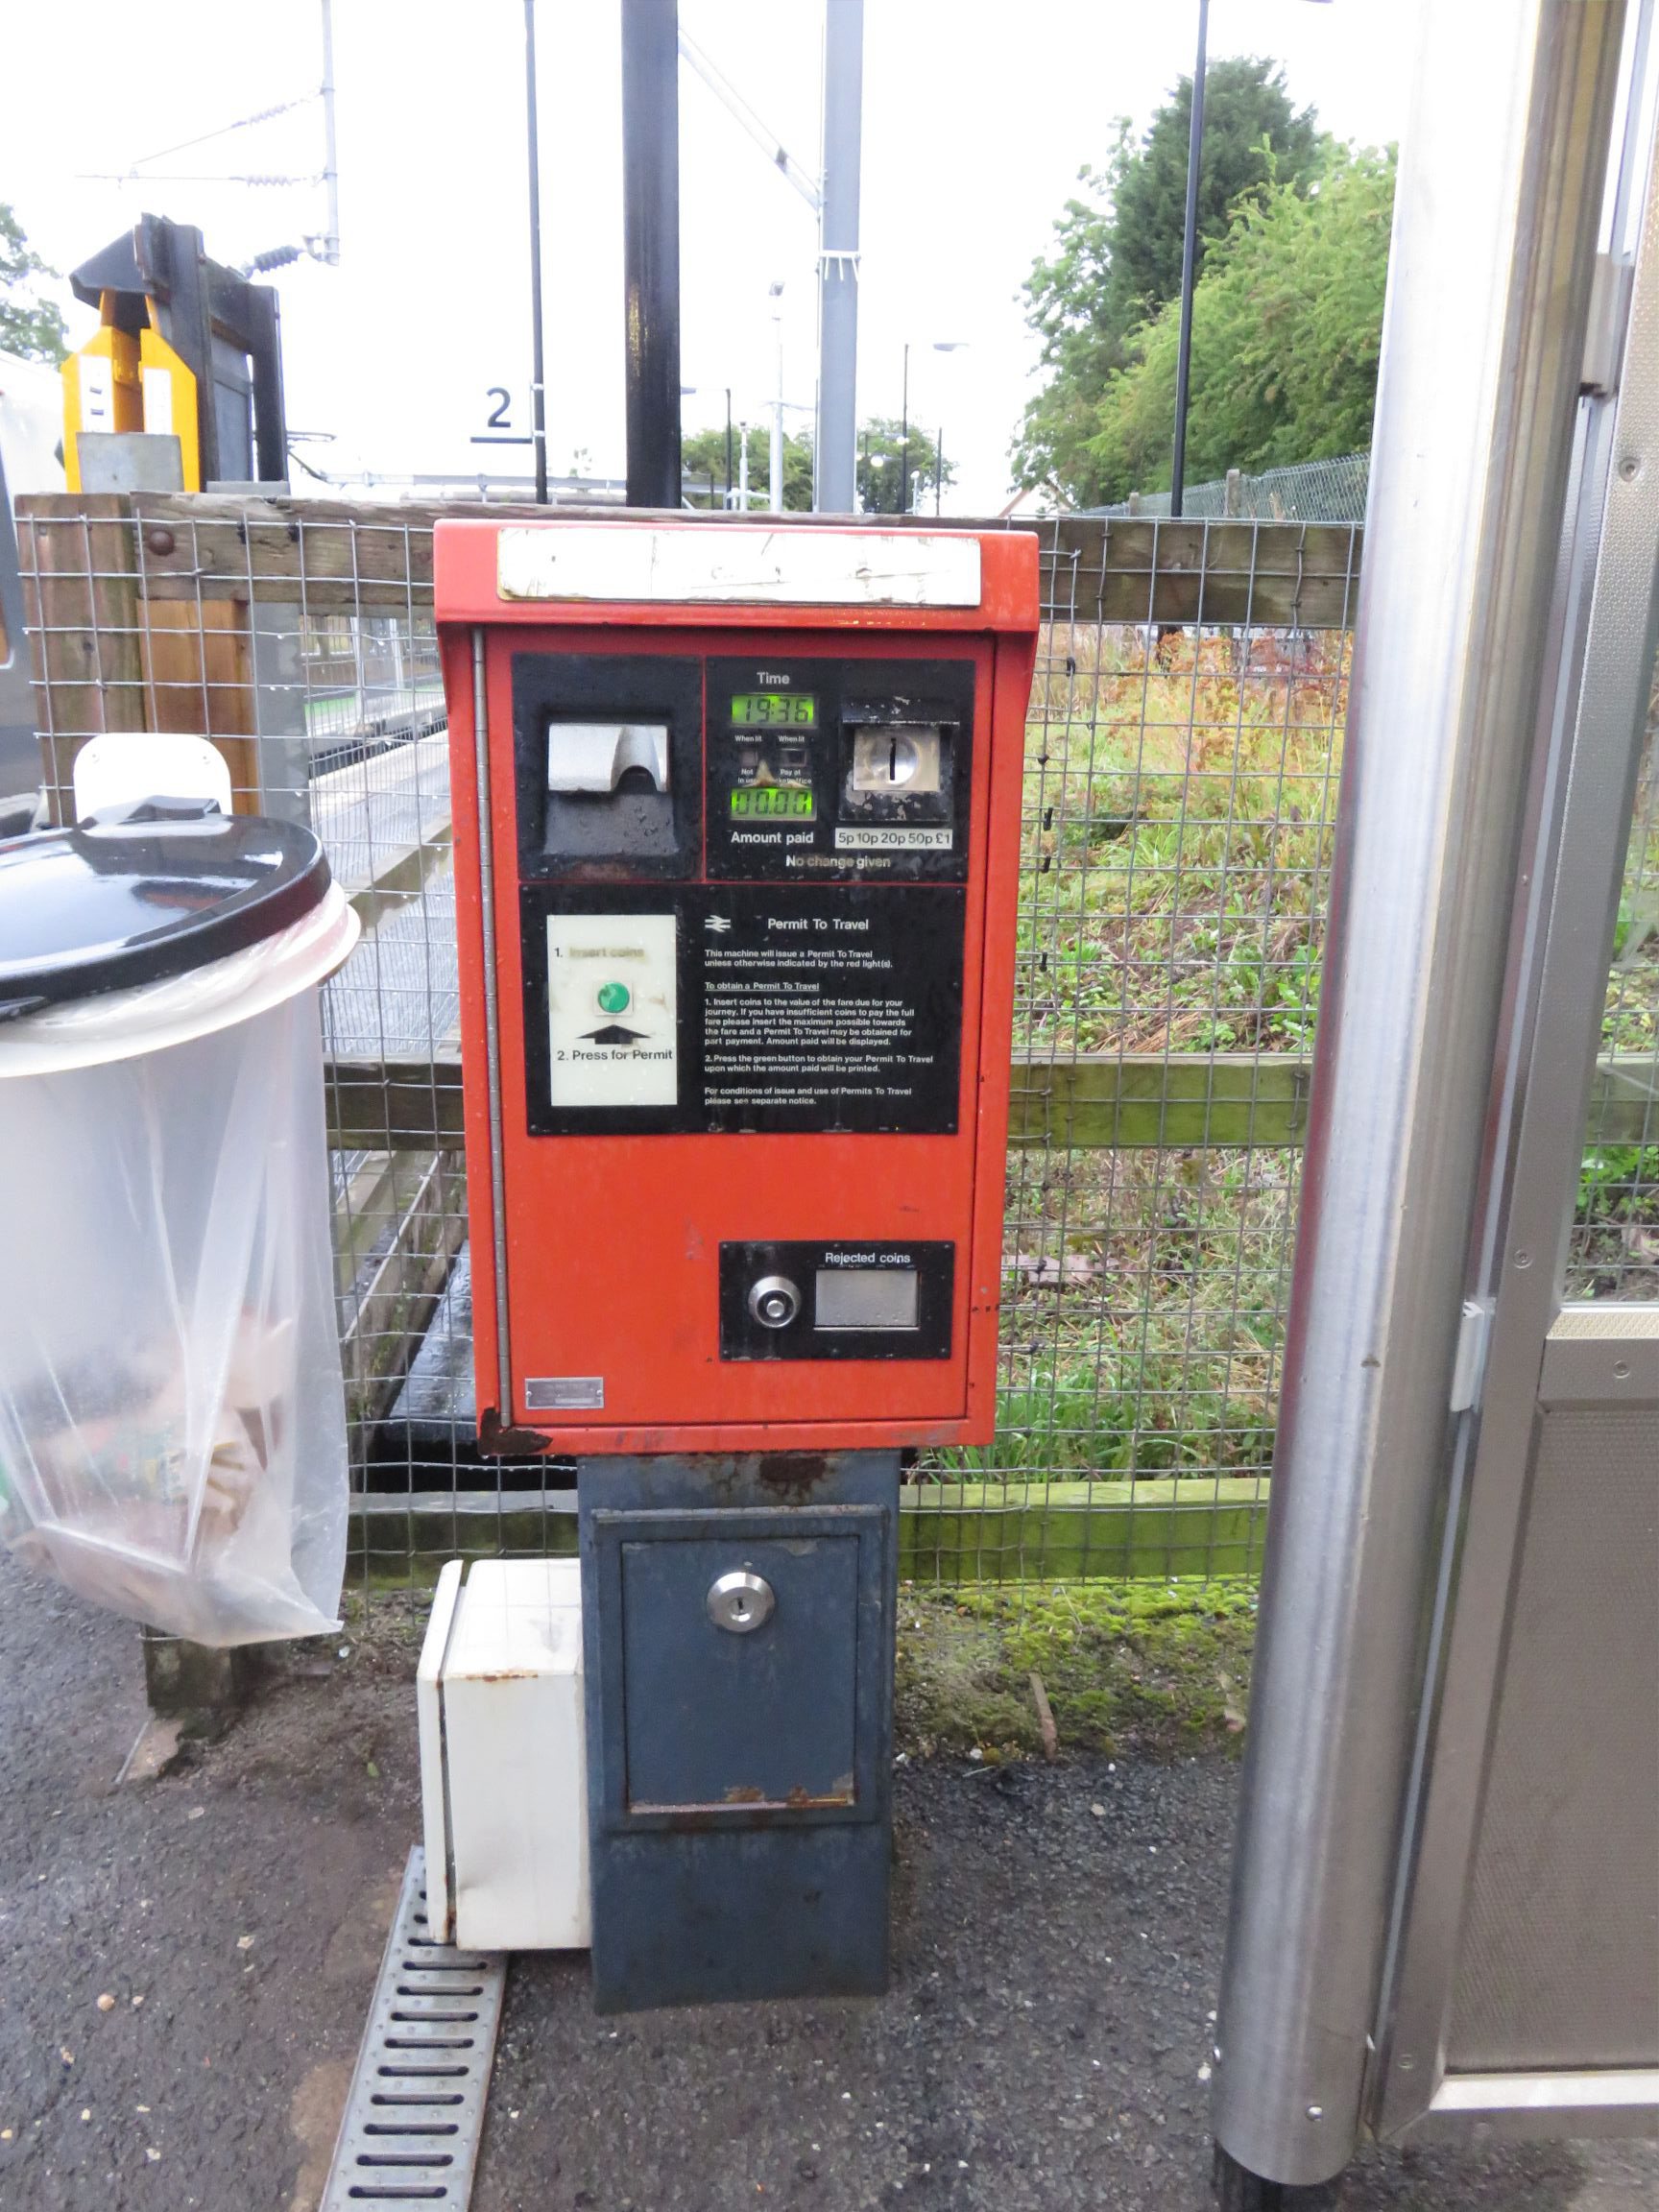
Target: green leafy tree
{"x": 1286, "y": 330}
{"x": 27, "y": 325}
{"x": 1118, "y": 256}
{"x": 703, "y": 459}
{"x": 884, "y": 455}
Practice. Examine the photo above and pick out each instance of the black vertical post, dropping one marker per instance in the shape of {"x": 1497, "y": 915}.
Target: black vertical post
{"x": 537, "y": 366}
{"x": 651, "y": 248}
{"x": 1188, "y": 259}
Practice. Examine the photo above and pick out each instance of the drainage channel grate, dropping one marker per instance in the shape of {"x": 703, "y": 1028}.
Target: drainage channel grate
{"x": 416, "y": 2111}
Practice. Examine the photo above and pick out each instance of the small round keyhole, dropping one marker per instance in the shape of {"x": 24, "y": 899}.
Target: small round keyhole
{"x": 740, "y": 1601}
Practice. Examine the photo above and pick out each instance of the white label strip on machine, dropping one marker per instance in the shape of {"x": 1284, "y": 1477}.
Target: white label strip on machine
{"x": 703, "y": 566}
{"x": 612, "y": 1010}
{"x": 157, "y": 389}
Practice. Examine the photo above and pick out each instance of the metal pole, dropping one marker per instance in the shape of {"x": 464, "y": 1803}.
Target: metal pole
{"x": 775, "y": 485}
{"x": 330, "y": 155}
{"x": 1471, "y": 467}
{"x": 727, "y": 445}
{"x": 743, "y": 471}
{"x": 538, "y": 365}
{"x": 1188, "y": 260}
{"x": 903, "y": 507}
{"x": 834, "y": 492}
{"x": 651, "y": 248}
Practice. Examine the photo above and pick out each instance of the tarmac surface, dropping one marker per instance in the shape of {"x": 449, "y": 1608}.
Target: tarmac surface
{"x": 1057, "y": 1942}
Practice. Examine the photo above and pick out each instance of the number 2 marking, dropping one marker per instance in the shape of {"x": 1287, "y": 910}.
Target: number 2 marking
{"x": 497, "y": 421}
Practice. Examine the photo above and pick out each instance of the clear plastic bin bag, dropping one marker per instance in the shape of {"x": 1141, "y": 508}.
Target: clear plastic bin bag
{"x": 172, "y": 1415}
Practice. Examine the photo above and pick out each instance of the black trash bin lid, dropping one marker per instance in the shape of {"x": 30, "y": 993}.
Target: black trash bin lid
{"x": 139, "y": 893}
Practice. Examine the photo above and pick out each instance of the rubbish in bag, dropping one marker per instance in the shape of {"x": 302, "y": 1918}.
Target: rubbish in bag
{"x": 172, "y": 1415}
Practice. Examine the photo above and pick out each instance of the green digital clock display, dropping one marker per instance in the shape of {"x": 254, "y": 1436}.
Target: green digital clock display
{"x": 772, "y": 803}
{"x": 775, "y": 711}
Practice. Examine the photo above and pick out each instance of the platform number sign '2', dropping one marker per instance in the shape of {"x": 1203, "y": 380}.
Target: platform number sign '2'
{"x": 498, "y": 427}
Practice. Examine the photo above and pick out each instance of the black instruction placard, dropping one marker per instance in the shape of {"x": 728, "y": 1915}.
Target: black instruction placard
{"x": 831, "y": 1009}
{"x": 705, "y": 1006}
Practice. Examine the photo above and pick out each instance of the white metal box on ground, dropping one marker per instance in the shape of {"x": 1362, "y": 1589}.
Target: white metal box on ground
{"x": 503, "y": 1766}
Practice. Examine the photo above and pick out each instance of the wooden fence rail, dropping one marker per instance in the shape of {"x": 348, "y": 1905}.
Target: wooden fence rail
{"x": 1131, "y": 1101}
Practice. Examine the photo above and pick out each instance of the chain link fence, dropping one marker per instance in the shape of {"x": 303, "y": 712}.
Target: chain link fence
{"x": 1309, "y": 491}
{"x": 1183, "y": 754}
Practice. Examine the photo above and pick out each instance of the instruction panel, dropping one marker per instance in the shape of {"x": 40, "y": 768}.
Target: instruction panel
{"x": 839, "y": 1011}
{"x": 717, "y": 1007}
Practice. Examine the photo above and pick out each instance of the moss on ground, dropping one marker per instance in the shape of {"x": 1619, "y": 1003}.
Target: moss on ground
{"x": 1158, "y": 1668}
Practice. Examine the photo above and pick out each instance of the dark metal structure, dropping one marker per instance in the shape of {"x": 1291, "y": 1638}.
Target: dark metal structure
{"x": 227, "y": 331}
{"x": 651, "y": 248}
{"x": 739, "y": 1694}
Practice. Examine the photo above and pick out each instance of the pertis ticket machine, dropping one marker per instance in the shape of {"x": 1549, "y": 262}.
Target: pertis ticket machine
{"x": 736, "y": 843}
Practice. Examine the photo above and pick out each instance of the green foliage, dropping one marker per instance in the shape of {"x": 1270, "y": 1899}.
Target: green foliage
{"x": 1286, "y": 330}
{"x": 884, "y": 453}
{"x": 703, "y": 457}
{"x": 30, "y": 327}
{"x": 1117, "y": 257}
{"x": 1613, "y": 1179}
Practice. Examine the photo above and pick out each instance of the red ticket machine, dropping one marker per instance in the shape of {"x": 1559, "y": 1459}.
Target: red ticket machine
{"x": 737, "y": 819}
{"x": 736, "y": 842}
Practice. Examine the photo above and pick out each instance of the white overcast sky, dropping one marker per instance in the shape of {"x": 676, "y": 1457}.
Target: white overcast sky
{"x": 977, "y": 116}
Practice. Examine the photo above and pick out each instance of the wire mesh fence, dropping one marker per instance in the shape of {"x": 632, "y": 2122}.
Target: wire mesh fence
{"x": 1331, "y": 490}
{"x": 1614, "y": 1245}
{"x": 1183, "y": 753}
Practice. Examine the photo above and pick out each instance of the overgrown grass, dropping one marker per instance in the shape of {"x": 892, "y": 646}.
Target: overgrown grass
{"x": 1158, "y": 1668}
{"x": 1179, "y": 797}
{"x": 1178, "y": 804}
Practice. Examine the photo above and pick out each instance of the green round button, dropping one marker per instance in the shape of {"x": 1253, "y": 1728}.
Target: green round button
{"x": 615, "y": 998}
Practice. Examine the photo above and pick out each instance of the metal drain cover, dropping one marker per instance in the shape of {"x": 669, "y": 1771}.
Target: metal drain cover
{"x": 412, "y": 2122}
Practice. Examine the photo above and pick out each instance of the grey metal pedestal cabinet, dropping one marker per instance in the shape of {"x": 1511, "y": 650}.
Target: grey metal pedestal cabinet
{"x": 738, "y": 1632}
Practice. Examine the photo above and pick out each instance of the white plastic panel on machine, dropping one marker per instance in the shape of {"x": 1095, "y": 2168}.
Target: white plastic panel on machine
{"x": 503, "y": 1757}
{"x": 694, "y": 565}
{"x": 612, "y": 1010}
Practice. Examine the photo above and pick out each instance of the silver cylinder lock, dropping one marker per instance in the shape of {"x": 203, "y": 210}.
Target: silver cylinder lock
{"x": 774, "y": 1302}
{"x": 740, "y": 1601}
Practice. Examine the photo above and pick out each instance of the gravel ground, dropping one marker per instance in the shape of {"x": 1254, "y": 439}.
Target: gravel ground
{"x": 1042, "y": 2044}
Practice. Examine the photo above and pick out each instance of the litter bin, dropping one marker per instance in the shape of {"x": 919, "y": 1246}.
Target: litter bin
{"x": 172, "y": 1418}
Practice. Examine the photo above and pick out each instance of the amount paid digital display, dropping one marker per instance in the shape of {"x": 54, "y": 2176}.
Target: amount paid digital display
{"x": 772, "y": 803}
{"x": 775, "y": 711}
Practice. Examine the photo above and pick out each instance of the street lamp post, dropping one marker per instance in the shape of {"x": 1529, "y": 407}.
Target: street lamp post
{"x": 1188, "y": 262}
{"x": 1189, "y": 255}
{"x": 776, "y": 292}
{"x": 904, "y": 432}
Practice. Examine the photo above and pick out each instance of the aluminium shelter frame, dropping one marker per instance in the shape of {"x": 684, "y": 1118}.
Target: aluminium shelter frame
{"x": 1445, "y": 1893}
